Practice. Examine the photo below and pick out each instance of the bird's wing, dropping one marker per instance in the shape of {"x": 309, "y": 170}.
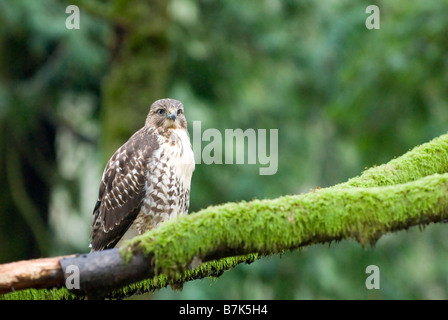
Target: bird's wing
{"x": 122, "y": 190}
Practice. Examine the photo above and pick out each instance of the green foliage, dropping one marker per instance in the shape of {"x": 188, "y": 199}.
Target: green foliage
{"x": 141, "y": 61}
{"x": 426, "y": 159}
{"x": 42, "y": 66}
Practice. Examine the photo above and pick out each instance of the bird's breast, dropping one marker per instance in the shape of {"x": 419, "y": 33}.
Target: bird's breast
{"x": 168, "y": 180}
{"x": 179, "y": 156}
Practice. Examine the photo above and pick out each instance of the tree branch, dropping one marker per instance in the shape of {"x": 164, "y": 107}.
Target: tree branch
{"x": 410, "y": 190}
{"x": 36, "y": 273}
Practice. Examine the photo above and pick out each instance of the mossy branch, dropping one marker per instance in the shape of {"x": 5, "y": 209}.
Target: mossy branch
{"x": 273, "y": 226}
{"x": 407, "y": 191}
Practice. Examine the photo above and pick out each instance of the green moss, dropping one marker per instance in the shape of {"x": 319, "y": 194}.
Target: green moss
{"x": 40, "y": 294}
{"x": 211, "y": 269}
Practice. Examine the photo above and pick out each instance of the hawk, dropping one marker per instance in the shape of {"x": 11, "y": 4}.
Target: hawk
{"x": 147, "y": 180}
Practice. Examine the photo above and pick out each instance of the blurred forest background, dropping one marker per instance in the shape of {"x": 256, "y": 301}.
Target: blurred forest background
{"x": 341, "y": 96}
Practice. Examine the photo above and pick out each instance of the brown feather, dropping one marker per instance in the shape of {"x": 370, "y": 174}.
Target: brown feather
{"x": 122, "y": 189}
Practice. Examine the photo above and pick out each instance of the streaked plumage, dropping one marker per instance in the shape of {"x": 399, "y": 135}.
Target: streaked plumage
{"x": 147, "y": 180}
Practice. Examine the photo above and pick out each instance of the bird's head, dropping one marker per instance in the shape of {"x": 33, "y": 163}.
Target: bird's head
{"x": 166, "y": 114}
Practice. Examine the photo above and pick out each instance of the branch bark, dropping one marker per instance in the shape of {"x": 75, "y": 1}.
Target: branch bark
{"x": 36, "y": 273}
{"x": 407, "y": 191}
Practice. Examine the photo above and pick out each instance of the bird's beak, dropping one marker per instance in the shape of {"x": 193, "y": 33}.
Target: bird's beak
{"x": 172, "y": 115}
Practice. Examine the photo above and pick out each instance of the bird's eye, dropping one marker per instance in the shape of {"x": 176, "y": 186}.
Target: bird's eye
{"x": 179, "y": 111}
{"x": 161, "y": 111}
